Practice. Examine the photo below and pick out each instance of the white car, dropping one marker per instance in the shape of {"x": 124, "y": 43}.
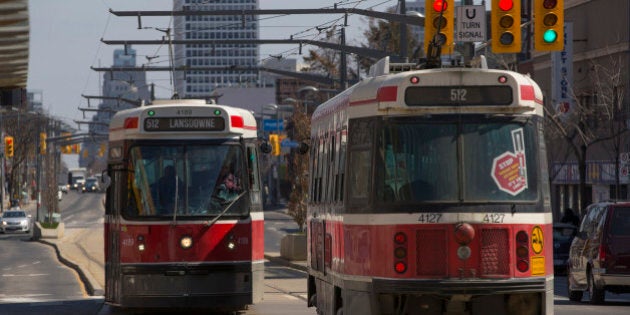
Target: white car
{"x": 15, "y": 220}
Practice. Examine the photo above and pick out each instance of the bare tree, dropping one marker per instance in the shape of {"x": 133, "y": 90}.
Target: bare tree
{"x": 598, "y": 117}
{"x": 298, "y": 169}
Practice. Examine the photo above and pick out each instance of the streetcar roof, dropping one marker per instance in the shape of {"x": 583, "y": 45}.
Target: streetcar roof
{"x": 182, "y": 119}
{"x": 385, "y": 94}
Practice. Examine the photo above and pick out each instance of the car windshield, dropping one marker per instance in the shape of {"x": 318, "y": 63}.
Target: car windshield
{"x": 14, "y": 214}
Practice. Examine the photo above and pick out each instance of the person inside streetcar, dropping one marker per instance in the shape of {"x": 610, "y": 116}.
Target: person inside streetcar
{"x": 229, "y": 186}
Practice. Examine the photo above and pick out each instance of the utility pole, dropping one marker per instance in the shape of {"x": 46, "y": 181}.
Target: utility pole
{"x": 469, "y": 47}
{"x": 403, "y": 32}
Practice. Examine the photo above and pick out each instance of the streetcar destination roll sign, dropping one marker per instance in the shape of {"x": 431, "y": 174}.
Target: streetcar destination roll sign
{"x": 458, "y": 95}
{"x": 184, "y": 124}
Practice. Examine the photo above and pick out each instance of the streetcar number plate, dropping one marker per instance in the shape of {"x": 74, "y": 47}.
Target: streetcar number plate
{"x": 494, "y": 218}
{"x": 430, "y": 217}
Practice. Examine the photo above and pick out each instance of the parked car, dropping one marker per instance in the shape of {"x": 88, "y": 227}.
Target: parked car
{"x": 91, "y": 185}
{"x": 63, "y": 188}
{"x": 599, "y": 259}
{"x": 15, "y": 220}
{"x": 563, "y": 234}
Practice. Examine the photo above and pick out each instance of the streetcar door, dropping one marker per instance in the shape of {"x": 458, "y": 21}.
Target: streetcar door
{"x": 113, "y": 204}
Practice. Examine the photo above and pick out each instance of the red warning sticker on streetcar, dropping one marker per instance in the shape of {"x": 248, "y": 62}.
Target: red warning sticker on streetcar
{"x": 509, "y": 170}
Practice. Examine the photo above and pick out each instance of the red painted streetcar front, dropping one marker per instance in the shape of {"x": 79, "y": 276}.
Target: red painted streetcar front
{"x": 184, "y": 225}
{"x": 429, "y": 195}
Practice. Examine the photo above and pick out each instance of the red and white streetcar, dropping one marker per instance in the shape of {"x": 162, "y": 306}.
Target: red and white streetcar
{"x": 184, "y": 221}
{"x": 429, "y": 195}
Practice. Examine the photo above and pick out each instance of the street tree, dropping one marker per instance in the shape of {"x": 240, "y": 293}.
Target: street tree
{"x": 299, "y": 131}
{"x": 598, "y": 119}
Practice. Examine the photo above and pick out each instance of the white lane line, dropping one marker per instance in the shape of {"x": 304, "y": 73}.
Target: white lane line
{"x": 28, "y": 275}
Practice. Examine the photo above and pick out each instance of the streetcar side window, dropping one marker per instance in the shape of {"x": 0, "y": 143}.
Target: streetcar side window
{"x": 252, "y": 162}
{"x": 361, "y": 137}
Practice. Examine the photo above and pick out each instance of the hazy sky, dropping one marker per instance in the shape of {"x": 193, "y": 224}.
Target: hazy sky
{"x": 65, "y": 42}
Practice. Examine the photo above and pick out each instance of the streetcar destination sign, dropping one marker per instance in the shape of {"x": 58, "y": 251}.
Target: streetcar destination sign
{"x": 184, "y": 124}
{"x": 458, "y": 95}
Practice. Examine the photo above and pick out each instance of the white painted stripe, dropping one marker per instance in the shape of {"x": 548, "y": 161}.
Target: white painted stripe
{"x": 27, "y": 275}
{"x": 416, "y": 218}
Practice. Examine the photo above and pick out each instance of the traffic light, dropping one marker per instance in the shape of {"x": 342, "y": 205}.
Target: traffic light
{"x": 438, "y": 25}
{"x": 8, "y": 146}
{"x": 101, "y": 149}
{"x": 42, "y": 143}
{"x": 506, "y": 26}
{"x": 548, "y": 25}
{"x": 275, "y": 144}
{"x": 76, "y": 148}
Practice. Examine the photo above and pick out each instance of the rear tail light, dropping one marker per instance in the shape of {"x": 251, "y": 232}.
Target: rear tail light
{"x": 522, "y": 251}
{"x": 400, "y": 252}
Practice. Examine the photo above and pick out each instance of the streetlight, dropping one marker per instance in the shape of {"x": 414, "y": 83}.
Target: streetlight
{"x": 305, "y": 90}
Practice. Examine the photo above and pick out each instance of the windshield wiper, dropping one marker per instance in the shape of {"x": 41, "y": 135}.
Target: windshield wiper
{"x": 176, "y": 200}
{"x": 210, "y": 223}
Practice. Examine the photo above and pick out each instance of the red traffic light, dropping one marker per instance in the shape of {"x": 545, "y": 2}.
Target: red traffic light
{"x": 506, "y": 5}
{"x": 440, "y": 5}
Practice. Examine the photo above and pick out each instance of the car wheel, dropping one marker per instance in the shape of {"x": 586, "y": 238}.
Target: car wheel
{"x": 574, "y": 296}
{"x": 596, "y": 295}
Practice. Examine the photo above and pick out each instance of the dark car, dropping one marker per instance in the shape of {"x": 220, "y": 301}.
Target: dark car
{"x": 599, "y": 259}
{"x": 91, "y": 185}
{"x": 563, "y": 234}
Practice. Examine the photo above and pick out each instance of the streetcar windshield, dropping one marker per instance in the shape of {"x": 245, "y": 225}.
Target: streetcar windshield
{"x": 195, "y": 180}
{"x": 457, "y": 161}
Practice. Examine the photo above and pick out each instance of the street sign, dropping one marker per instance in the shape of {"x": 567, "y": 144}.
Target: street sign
{"x": 273, "y": 125}
{"x": 471, "y": 23}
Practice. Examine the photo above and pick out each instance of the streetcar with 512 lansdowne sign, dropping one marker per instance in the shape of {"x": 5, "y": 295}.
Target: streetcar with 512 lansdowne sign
{"x": 184, "y": 223}
{"x": 429, "y": 195}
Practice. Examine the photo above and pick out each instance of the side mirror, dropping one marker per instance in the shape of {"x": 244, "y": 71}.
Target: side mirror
{"x": 303, "y": 148}
{"x": 265, "y": 147}
{"x": 105, "y": 179}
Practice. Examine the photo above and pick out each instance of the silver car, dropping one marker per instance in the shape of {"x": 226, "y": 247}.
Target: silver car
{"x": 15, "y": 220}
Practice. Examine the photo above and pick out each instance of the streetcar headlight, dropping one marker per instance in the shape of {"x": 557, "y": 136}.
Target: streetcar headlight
{"x": 141, "y": 247}
{"x": 231, "y": 245}
{"x": 186, "y": 242}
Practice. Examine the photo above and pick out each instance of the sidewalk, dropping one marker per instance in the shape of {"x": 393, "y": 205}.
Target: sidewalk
{"x": 82, "y": 249}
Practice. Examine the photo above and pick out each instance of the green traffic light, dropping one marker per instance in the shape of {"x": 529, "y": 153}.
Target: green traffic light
{"x": 550, "y": 36}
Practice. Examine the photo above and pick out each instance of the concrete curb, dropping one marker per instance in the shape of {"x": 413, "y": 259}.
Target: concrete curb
{"x": 89, "y": 283}
{"x": 285, "y": 262}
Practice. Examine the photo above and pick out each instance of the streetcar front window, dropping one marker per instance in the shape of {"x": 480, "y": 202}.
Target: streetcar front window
{"x": 456, "y": 161}
{"x": 193, "y": 180}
